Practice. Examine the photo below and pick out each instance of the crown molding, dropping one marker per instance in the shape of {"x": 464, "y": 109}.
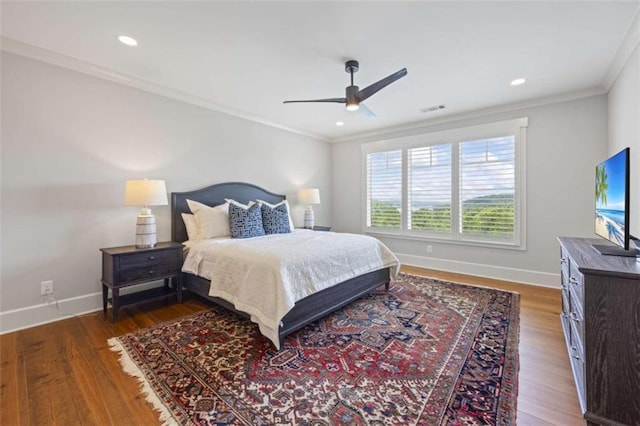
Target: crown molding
{"x": 68, "y": 62}
{"x": 629, "y": 44}
{"x": 423, "y": 126}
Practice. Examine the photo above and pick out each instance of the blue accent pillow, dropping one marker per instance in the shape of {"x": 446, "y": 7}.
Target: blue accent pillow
{"x": 245, "y": 223}
{"x": 275, "y": 220}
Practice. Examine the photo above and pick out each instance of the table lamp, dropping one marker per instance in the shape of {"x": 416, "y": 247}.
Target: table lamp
{"x": 309, "y": 196}
{"x": 145, "y": 193}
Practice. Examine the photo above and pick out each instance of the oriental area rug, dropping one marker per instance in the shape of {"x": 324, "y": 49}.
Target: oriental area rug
{"x": 425, "y": 352}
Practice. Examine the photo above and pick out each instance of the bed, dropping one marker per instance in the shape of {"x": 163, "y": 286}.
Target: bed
{"x": 306, "y": 310}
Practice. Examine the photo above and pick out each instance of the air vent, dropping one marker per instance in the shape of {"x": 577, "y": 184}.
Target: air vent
{"x": 432, "y": 108}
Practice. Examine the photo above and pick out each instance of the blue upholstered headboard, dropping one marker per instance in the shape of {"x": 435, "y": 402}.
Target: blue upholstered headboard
{"x": 212, "y": 196}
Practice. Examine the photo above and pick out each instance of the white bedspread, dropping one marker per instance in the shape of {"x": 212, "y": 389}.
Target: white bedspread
{"x": 266, "y": 276}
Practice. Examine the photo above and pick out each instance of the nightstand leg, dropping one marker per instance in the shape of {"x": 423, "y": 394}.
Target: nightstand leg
{"x": 114, "y": 303}
{"x": 105, "y": 297}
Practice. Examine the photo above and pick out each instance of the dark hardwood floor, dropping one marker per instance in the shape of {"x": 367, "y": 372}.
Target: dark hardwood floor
{"x": 64, "y": 373}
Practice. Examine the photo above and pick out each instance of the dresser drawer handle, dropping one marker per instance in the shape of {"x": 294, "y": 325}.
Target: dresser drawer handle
{"x": 563, "y": 260}
{"x": 151, "y": 272}
{"x": 152, "y": 257}
{"x": 574, "y": 354}
{"x": 575, "y": 317}
{"x": 573, "y": 280}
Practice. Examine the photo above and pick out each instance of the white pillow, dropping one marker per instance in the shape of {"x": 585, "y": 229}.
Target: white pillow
{"x": 239, "y": 204}
{"x": 191, "y": 225}
{"x": 212, "y": 222}
{"x": 291, "y": 225}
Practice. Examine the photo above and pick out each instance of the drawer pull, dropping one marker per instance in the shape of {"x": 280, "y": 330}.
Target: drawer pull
{"x": 563, "y": 260}
{"x": 151, "y": 272}
{"x": 575, "y": 317}
{"x": 574, "y": 354}
{"x": 573, "y": 280}
{"x": 152, "y": 257}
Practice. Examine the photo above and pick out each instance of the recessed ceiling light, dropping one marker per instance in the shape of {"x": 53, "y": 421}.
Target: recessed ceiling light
{"x": 127, "y": 40}
{"x": 518, "y": 81}
{"x": 339, "y": 123}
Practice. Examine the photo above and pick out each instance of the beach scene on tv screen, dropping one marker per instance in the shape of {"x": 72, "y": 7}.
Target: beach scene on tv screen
{"x": 610, "y": 198}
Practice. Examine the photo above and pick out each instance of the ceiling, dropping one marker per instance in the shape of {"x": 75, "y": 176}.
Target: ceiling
{"x": 247, "y": 57}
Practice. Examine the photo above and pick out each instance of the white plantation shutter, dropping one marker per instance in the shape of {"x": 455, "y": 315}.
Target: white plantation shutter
{"x": 429, "y": 188}
{"x": 384, "y": 189}
{"x": 487, "y": 187}
{"x": 462, "y": 185}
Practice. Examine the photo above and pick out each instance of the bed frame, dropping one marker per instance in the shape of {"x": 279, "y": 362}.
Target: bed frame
{"x": 306, "y": 310}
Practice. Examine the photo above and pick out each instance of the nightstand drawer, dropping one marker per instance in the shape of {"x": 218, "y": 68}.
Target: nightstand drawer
{"x": 150, "y": 259}
{"x": 146, "y": 272}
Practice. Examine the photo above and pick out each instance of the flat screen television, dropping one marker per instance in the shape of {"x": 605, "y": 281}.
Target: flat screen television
{"x": 612, "y": 205}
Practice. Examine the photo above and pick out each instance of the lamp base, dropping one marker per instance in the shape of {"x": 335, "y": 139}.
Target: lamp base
{"x": 308, "y": 218}
{"x": 146, "y": 230}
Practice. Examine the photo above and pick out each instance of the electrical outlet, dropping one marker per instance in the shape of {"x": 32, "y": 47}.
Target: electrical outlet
{"x": 429, "y": 248}
{"x": 46, "y": 287}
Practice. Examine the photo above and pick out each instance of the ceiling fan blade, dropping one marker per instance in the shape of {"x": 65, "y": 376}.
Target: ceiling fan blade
{"x": 366, "y": 111}
{"x": 378, "y": 85}
{"x": 334, "y": 100}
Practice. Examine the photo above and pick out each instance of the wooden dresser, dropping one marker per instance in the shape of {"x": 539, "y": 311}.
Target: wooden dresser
{"x": 601, "y": 322}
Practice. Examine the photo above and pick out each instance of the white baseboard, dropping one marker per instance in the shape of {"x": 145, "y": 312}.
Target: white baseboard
{"x": 543, "y": 279}
{"x": 31, "y": 316}
{"x": 44, "y": 313}
{"x": 19, "y": 319}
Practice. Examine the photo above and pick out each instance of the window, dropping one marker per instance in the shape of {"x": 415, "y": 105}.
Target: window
{"x": 429, "y": 188}
{"x": 463, "y": 185}
{"x": 384, "y": 184}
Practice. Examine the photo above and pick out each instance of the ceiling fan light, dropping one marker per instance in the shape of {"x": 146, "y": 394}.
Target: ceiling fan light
{"x": 352, "y": 107}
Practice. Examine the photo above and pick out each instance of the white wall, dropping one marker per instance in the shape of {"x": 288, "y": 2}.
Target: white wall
{"x": 69, "y": 143}
{"x": 624, "y": 126}
{"x": 564, "y": 143}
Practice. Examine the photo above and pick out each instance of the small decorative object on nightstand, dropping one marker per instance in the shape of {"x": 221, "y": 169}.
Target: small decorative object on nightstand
{"x": 145, "y": 193}
{"x": 309, "y": 196}
{"x": 128, "y": 266}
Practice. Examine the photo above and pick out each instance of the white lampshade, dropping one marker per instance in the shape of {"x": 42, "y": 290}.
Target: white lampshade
{"x": 145, "y": 193}
{"x": 309, "y": 196}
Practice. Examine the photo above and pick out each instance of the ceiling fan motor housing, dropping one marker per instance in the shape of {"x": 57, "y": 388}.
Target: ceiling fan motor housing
{"x": 352, "y": 97}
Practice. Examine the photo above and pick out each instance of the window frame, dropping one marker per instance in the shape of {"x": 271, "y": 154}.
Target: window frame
{"x": 454, "y": 136}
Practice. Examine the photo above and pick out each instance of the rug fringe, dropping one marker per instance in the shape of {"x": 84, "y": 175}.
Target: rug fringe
{"x": 130, "y": 367}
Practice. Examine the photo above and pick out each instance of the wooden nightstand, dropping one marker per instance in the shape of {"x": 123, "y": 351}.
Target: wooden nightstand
{"x": 127, "y": 266}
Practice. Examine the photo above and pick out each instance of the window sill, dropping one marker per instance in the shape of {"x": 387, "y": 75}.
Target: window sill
{"x": 435, "y": 239}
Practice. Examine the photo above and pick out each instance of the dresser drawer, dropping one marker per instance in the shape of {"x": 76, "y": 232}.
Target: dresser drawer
{"x": 576, "y": 282}
{"x": 566, "y": 299}
{"x": 578, "y": 367}
{"x": 150, "y": 259}
{"x": 577, "y": 332}
{"x": 564, "y": 265}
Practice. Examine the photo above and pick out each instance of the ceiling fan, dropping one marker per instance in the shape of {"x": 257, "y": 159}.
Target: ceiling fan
{"x": 354, "y": 96}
